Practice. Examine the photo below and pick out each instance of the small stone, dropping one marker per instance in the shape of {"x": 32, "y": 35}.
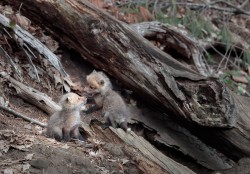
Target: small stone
{"x": 114, "y": 150}
{"x": 28, "y": 126}
{"x": 40, "y": 163}
{"x": 8, "y": 171}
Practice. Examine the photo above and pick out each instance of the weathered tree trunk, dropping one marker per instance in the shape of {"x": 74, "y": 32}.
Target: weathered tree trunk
{"x": 152, "y": 74}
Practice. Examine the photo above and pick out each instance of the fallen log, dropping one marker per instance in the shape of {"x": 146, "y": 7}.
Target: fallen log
{"x": 112, "y": 46}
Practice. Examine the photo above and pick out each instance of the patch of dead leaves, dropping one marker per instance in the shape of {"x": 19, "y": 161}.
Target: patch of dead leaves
{"x": 9, "y": 139}
{"x": 49, "y": 42}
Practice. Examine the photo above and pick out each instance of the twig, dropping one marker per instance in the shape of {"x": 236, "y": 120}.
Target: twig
{"x": 155, "y": 6}
{"x": 31, "y": 63}
{"x": 226, "y": 55}
{"x": 22, "y": 116}
{"x": 197, "y": 6}
{"x": 20, "y": 8}
{"x": 9, "y": 59}
{"x": 10, "y": 162}
{"x": 243, "y": 4}
{"x": 218, "y": 52}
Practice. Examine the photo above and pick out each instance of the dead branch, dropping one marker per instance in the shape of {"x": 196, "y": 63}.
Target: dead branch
{"x": 9, "y": 59}
{"x": 31, "y": 63}
{"x": 22, "y": 116}
{"x": 35, "y": 43}
{"x": 197, "y": 6}
{"x": 32, "y": 96}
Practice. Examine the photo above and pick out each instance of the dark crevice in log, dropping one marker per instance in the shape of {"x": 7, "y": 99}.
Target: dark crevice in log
{"x": 220, "y": 142}
{"x": 172, "y": 152}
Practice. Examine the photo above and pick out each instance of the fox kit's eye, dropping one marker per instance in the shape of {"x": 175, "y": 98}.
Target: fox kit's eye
{"x": 92, "y": 87}
{"x": 101, "y": 82}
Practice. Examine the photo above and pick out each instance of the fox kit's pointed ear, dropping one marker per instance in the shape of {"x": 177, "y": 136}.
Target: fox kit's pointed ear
{"x": 94, "y": 71}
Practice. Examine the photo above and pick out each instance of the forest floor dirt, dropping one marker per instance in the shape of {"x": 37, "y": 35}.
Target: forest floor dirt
{"x": 25, "y": 149}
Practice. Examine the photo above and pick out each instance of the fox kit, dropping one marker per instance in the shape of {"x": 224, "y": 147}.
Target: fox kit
{"x": 114, "y": 109}
{"x": 64, "y": 124}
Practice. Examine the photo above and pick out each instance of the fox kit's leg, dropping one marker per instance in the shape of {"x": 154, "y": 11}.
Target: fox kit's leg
{"x": 56, "y": 133}
{"x": 124, "y": 126}
{"x": 108, "y": 121}
{"x": 66, "y": 134}
{"x": 112, "y": 121}
{"x": 76, "y": 133}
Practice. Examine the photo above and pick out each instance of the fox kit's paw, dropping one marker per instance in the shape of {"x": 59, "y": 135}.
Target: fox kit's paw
{"x": 105, "y": 126}
{"x": 129, "y": 130}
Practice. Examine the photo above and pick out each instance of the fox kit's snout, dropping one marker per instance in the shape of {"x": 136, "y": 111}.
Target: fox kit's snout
{"x": 64, "y": 124}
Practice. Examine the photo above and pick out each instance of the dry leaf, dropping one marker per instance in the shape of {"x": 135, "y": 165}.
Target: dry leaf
{"x": 27, "y": 126}
{"x": 4, "y": 146}
{"x": 8, "y": 171}
{"x": 25, "y": 167}
{"x": 240, "y": 79}
{"x": 132, "y": 18}
{"x": 58, "y": 80}
{"x": 21, "y": 147}
{"x": 29, "y": 156}
{"x": 98, "y": 3}
{"x": 50, "y": 43}
{"x": 65, "y": 146}
{"x": 22, "y": 21}
{"x": 124, "y": 161}
{"x": 7, "y": 10}
{"x": 147, "y": 16}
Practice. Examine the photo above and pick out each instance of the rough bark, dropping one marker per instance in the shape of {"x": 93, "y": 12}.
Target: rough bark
{"x": 150, "y": 152}
{"x": 176, "y": 41}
